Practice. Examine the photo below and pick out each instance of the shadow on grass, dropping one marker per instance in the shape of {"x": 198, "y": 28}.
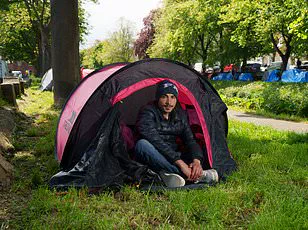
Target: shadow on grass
{"x": 33, "y": 154}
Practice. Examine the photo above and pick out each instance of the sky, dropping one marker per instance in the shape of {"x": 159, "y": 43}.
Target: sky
{"x": 104, "y": 16}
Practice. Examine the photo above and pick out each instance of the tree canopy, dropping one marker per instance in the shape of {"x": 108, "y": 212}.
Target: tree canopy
{"x": 26, "y": 33}
{"x": 189, "y": 31}
{"x": 185, "y": 30}
{"x": 230, "y": 31}
{"x": 146, "y": 35}
{"x": 18, "y": 40}
{"x": 117, "y": 48}
{"x": 268, "y": 23}
{"x": 91, "y": 57}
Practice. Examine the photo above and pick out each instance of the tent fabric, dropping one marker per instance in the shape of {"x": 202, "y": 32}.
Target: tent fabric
{"x": 94, "y": 139}
{"x": 47, "y": 81}
{"x": 294, "y": 75}
{"x": 236, "y": 75}
{"x": 272, "y": 76}
{"x": 245, "y": 77}
{"x": 223, "y": 77}
{"x": 77, "y": 100}
{"x": 101, "y": 165}
{"x": 304, "y": 76}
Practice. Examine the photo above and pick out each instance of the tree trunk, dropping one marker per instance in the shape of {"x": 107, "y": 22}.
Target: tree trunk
{"x": 45, "y": 51}
{"x": 285, "y": 60}
{"x": 284, "y": 56}
{"x": 274, "y": 56}
{"x": 65, "y": 48}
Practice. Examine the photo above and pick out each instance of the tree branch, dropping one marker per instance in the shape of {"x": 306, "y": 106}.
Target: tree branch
{"x": 275, "y": 45}
{"x": 32, "y": 9}
{"x": 27, "y": 4}
{"x": 43, "y": 11}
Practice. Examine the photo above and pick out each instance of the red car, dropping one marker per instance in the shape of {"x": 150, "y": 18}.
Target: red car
{"x": 229, "y": 68}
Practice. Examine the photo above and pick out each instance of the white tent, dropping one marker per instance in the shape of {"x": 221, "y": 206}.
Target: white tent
{"x": 47, "y": 82}
{"x": 3, "y": 69}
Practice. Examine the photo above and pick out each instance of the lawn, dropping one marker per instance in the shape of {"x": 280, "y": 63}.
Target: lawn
{"x": 269, "y": 190}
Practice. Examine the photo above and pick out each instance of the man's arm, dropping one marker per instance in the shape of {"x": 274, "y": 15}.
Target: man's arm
{"x": 184, "y": 168}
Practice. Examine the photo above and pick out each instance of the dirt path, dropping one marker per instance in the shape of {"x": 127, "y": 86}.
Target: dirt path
{"x": 297, "y": 127}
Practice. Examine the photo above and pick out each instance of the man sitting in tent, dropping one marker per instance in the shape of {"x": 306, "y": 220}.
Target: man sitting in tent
{"x": 159, "y": 125}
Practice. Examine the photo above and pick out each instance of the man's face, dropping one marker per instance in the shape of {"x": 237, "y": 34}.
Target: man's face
{"x": 167, "y": 102}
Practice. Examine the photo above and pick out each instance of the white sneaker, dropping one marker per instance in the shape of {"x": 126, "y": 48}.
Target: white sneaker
{"x": 172, "y": 180}
{"x": 208, "y": 176}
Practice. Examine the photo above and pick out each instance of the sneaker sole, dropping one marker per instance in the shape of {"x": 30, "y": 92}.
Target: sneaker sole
{"x": 172, "y": 180}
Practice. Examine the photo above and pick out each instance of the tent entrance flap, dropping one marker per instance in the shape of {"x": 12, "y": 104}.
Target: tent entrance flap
{"x": 143, "y": 92}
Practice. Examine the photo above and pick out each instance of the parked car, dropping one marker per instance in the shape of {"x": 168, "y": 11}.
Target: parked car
{"x": 275, "y": 65}
{"x": 304, "y": 65}
{"x": 251, "y": 67}
{"x": 231, "y": 68}
{"x": 16, "y": 73}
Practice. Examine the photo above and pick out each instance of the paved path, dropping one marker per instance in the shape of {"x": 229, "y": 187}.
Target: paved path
{"x": 297, "y": 127}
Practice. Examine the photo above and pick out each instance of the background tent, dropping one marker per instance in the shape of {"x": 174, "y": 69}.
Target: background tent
{"x": 294, "y": 75}
{"x": 4, "y": 71}
{"x": 96, "y": 123}
{"x": 236, "y": 75}
{"x": 47, "y": 82}
{"x": 272, "y": 76}
{"x": 223, "y": 77}
{"x": 245, "y": 77}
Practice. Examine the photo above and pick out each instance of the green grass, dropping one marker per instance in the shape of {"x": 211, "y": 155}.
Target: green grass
{"x": 269, "y": 191}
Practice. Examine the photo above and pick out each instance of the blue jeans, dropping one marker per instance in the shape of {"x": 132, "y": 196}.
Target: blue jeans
{"x": 147, "y": 154}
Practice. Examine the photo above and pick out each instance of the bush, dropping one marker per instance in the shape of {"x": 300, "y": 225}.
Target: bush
{"x": 273, "y": 97}
{"x": 286, "y": 98}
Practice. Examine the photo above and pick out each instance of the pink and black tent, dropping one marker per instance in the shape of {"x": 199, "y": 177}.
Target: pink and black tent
{"x": 95, "y": 133}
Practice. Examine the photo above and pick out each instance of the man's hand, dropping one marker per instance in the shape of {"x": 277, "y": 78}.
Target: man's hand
{"x": 186, "y": 170}
{"x": 196, "y": 170}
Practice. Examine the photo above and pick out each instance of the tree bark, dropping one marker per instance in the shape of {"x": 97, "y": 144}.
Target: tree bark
{"x": 65, "y": 48}
{"x": 284, "y": 56}
{"x": 45, "y": 50}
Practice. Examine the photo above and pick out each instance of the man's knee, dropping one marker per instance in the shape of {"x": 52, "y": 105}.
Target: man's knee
{"x": 142, "y": 144}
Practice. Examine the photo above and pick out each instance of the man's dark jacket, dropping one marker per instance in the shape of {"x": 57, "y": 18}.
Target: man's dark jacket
{"x": 162, "y": 133}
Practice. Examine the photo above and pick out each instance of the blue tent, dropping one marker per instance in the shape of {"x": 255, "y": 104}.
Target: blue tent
{"x": 272, "y": 76}
{"x": 223, "y": 77}
{"x": 236, "y": 75}
{"x": 245, "y": 77}
{"x": 294, "y": 75}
